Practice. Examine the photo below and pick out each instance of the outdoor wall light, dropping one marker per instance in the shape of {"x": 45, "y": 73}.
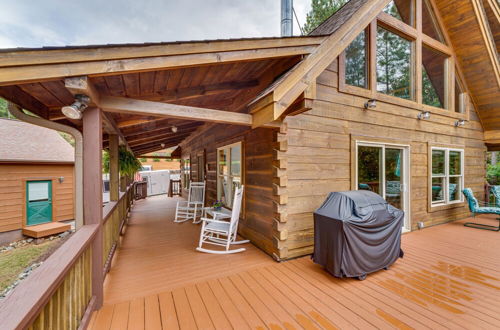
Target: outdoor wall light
{"x": 61, "y": 179}
{"x": 370, "y": 104}
{"x": 75, "y": 110}
{"x": 174, "y": 129}
{"x": 460, "y": 122}
{"x": 424, "y": 115}
{"x": 162, "y": 145}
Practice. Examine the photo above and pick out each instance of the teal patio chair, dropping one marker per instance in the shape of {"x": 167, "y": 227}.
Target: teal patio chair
{"x": 475, "y": 208}
{"x": 495, "y": 190}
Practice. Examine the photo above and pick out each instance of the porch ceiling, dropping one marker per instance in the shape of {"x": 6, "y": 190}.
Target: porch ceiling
{"x": 226, "y": 84}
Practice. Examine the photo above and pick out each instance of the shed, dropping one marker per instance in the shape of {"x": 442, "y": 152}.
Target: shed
{"x": 36, "y": 175}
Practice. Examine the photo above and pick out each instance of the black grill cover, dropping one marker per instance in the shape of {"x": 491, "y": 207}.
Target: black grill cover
{"x": 356, "y": 233}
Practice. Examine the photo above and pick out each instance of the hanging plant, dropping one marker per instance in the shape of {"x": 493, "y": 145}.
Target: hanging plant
{"x": 128, "y": 163}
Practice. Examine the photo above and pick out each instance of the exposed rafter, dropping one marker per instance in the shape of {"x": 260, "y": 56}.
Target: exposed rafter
{"x": 200, "y": 91}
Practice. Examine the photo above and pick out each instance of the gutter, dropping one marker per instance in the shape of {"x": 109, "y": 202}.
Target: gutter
{"x": 15, "y": 110}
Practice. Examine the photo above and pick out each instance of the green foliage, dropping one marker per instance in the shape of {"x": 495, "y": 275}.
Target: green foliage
{"x": 393, "y": 64}
{"x": 68, "y": 137}
{"x": 320, "y": 11}
{"x": 429, "y": 94}
{"x": 128, "y": 163}
{"x": 143, "y": 160}
{"x": 493, "y": 174}
{"x": 4, "y": 112}
{"x": 355, "y": 62}
{"x": 156, "y": 160}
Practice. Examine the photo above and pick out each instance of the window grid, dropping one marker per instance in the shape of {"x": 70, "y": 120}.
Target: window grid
{"x": 414, "y": 33}
{"x": 445, "y": 200}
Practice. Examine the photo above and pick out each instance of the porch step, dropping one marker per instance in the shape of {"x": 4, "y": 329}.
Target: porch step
{"x": 46, "y": 229}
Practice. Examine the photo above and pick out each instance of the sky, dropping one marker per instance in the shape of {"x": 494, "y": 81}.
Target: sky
{"x": 37, "y": 23}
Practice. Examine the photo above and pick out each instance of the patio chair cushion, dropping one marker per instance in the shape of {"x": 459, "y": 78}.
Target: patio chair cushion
{"x": 474, "y": 204}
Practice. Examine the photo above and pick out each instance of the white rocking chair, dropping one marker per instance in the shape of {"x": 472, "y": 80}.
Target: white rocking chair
{"x": 222, "y": 233}
{"x": 193, "y": 207}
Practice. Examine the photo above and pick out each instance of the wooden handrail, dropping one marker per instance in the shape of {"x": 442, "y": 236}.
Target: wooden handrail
{"x": 108, "y": 209}
{"x": 22, "y": 306}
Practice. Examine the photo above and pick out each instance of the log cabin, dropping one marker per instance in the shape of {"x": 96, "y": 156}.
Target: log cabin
{"x": 398, "y": 97}
{"x": 36, "y": 171}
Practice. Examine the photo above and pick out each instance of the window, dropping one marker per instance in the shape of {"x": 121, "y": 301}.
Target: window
{"x": 434, "y": 78}
{"x": 228, "y": 172}
{"x": 401, "y": 9}
{"x": 429, "y": 22}
{"x": 447, "y": 175}
{"x": 356, "y": 62}
{"x": 393, "y": 64}
{"x": 186, "y": 172}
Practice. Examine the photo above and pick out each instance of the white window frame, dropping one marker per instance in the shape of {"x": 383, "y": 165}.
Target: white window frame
{"x": 186, "y": 172}
{"x": 229, "y": 199}
{"x": 447, "y": 176}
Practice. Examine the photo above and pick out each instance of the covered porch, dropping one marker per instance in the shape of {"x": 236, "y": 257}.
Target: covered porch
{"x": 448, "y": 278}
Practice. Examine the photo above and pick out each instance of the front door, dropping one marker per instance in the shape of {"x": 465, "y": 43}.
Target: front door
{"x": 38, "y": 202}
{"x": 382, "y": 169}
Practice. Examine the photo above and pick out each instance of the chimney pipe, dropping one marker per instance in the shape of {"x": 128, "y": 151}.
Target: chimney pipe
{"x": 286, "y": 18}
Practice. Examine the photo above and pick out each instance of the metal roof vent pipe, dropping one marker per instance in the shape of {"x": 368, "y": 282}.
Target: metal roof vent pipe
{"x": 286, "y": 18}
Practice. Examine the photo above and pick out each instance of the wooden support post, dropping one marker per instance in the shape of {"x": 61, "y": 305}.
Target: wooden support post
{"x": 114, "y": 169}
{"x": 92, "y": 192}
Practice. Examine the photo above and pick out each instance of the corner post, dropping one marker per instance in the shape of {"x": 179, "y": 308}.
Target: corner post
{"x": 92, "y": 192}
{"x": 114, "y": 175}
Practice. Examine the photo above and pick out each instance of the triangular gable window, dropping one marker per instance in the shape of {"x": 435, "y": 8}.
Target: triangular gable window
{"x": 401, "y": 9}
{"x": 430, "y": 25}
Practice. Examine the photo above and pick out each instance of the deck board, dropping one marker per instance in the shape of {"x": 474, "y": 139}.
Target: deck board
{"x": 449, "y": 278}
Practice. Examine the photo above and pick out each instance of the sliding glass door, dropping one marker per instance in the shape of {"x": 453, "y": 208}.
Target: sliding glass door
{"x": 383, "y": 169}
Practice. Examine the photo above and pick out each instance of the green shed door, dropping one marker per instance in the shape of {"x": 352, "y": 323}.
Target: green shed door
{"x": 38, "y": 202}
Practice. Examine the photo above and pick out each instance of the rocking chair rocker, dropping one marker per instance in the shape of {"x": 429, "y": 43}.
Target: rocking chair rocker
{"x": 193, "y": 207}
{"x": 222, "y": 233}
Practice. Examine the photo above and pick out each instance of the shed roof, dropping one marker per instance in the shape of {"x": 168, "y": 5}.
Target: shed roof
{"x": 23, "y": 142}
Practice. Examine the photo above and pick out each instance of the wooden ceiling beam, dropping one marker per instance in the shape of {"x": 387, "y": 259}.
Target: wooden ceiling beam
{"x": 161, "y": 139}
{"x": 160, "y": 136}
{"x": 150, "y": 108}
{"x": 162, "y": 131}
{"x": 155, "y": 147}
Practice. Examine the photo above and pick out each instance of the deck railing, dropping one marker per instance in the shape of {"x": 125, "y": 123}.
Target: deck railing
{"x": 114, "y": 217}
{"x": 58, "y": 294}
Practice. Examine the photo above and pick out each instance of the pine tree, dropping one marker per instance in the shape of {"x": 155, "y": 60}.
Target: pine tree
{"x": 320, "y": 11}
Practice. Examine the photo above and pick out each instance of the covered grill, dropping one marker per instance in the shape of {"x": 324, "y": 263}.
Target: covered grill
{"x": 356, "y": 233}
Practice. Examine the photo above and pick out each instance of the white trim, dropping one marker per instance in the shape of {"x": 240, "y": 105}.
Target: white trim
{"x": 447, "y": 176}
{"x": 406, "y": 174}
{"x": 230, "y": 180}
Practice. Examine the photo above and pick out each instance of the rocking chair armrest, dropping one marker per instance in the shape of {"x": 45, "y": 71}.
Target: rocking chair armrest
{"x": 212, "y": 220}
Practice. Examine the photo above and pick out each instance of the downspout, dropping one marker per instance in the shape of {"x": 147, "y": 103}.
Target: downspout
{"x": 15, "y": 110}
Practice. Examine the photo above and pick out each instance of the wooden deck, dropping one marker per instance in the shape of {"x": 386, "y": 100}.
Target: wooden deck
{"x": 449, "y": 278}
{"x": 159, "y": 255}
